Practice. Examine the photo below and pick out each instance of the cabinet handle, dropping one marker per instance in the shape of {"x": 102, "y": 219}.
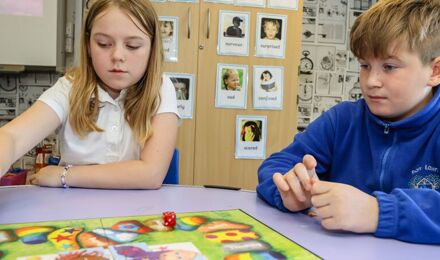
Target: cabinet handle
{"x": 189, "y": 22}
{"x": 208, "y": 24}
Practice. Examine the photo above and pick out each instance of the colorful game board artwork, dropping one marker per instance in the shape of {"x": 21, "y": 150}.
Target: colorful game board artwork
{"x": 223, "y": 234}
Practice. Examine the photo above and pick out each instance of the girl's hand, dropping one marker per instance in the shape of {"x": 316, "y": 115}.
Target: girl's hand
{"x": 343, "y": 207}
{"x": 49, "y": 176}
{"x": 249, "y": 136}
{"x": 295, "y": 185}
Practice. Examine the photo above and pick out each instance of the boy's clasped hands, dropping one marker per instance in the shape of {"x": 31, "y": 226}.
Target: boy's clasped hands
{"x": 338, "y": 206}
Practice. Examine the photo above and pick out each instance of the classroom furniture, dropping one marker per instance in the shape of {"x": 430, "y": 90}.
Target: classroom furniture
{"x": 172, "y": 176}
{"x": 31, "y": 203}
{"x": 207, "y": 141}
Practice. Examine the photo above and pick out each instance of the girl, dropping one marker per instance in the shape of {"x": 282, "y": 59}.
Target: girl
{"x": 231, "y": 80}
{"x": 250, "y": 132}
{"x": 115, "y": 115}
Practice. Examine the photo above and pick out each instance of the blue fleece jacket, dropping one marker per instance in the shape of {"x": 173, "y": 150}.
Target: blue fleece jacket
{"x": 397, "y": 162}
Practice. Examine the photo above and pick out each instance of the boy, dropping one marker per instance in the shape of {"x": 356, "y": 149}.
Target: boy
{"x": 379, "y": 156}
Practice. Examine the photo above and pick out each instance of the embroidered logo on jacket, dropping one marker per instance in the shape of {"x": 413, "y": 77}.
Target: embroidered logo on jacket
{"x": 431, "y": 181}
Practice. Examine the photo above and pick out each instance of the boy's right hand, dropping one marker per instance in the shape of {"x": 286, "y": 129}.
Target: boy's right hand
{"x": 295, "y": 185}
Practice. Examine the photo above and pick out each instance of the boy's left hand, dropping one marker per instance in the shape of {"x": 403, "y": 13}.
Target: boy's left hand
{"x": 49, "y": 176}
{"x": 343, "y": 207}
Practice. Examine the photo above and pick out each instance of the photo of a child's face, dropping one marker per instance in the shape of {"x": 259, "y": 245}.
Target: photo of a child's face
{"x": 271, "y": 29}
{"x": 231, "y": 80}
{"x": 166, "y": 29}
{"x": 181, "y": 85}
{"x": 251, "y": 131}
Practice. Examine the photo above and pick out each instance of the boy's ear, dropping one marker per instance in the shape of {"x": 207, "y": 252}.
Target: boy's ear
{"x": 434, "y": 80}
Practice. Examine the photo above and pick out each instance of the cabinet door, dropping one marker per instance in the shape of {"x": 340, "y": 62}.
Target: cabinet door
{"x": 188, "y": 21}
{"x": 214, "y": 159}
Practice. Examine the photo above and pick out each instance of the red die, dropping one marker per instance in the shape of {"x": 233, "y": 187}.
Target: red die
{"x": 169, "y": 218}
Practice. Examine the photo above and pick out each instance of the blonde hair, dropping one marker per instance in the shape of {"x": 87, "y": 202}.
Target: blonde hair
{"x": 142, "y": 99}
{"x": 411, "y": 24}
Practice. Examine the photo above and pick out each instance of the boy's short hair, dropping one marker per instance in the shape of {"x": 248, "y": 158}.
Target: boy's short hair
{"x": 411, "y": 24}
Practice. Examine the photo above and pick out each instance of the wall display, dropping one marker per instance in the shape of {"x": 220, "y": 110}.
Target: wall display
{"x": 256, "y": 3}
{"x": 284, "y": 4}
{"x": 169, "y": 29}
{"x": 268, "y": 87}
{"x": 233, "y": 33}
{"x": 184, "y": 85}
{"x": 271, "y": 35}
{"x": 231, "y": 86}
{"x": 184, "y": 1}
{"x": 250, "y": 137}
{"x": 329, "y": 73}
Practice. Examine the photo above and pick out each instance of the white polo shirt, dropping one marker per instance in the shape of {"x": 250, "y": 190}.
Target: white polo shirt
{"x": 117, "y": 142}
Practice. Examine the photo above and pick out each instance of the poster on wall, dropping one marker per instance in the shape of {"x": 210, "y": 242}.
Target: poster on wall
{"x": 184, "y": 86}
{"x": 233, "y": 33}
{"x": 256, "y": 3}
{"x": 268, "y": 87}
{"x": 283, "y": 4}
{"x": 231, "y": 86}
{"x": 250, "y": 137}
{"x": 271, "y": 35}
{"x": 169, "y": 30}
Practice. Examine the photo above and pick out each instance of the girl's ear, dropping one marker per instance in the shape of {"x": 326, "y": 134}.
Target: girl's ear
{"x": 434, "y": 80}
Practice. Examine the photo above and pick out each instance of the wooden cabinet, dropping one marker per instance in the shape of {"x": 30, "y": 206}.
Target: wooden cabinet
{"x": 207, "y": 141}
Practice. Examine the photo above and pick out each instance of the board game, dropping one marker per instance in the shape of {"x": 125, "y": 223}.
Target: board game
{"x": 224, "y": 234}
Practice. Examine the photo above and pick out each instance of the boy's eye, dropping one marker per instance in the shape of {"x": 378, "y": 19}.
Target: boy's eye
{"x": 364, "y": 66}
{"x": 389, "y": 67}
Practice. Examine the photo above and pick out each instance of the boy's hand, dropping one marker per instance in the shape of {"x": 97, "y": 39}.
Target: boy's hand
{"x": 49, "y": 176}
{"x": 343, "y": 207}
{"x": 295, "y": 185}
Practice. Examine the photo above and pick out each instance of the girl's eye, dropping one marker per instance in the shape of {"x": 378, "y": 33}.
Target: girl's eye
{"x": 104, "y": 45}
{"x": 133, "y": 47}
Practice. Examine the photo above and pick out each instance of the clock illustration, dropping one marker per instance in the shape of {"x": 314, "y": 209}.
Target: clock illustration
{"x": 305, "y": 92}
{"x": 306, "y": 64}
{"x": 7, "y": 83}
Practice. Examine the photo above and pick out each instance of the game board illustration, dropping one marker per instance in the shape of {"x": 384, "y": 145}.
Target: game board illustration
{"x": 223, "y": 234}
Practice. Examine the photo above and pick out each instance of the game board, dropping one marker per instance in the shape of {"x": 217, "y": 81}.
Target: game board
{"x": 225, "y": 234}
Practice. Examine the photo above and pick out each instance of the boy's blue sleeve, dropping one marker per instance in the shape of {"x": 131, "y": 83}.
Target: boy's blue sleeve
{"x": 411, "y": 215}
{"x": 315, "y": 141}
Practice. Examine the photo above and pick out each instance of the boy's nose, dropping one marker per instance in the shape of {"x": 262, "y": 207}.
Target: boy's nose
{"x": 373, "y": 79}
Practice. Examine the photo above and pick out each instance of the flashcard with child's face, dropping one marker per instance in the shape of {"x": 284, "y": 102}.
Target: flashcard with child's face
{"x": 231, "y": 86}
{"x": 233, "y": 33}
{"x": 256, "y": 3}
{"x": 268, "y": 87}
{"x": 184, "y": 86}
{"x": 169, "y": 30}
{"x": 271, "y": 35}
{"x": 250, "y": 137}
{"x": 283, "y": 4}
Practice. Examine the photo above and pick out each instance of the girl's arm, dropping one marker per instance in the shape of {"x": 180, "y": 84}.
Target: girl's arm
{"x": 146, "y": 173}
{"x": 24, "y": 132}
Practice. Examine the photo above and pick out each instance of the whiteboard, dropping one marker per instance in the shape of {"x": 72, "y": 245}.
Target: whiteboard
{"x": 30, "y": 38}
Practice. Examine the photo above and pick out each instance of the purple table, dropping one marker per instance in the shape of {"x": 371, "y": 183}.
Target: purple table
{"x": 30, "y": 204}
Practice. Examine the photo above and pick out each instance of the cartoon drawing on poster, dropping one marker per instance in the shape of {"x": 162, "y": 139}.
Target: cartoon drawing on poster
{"x": 256, "y": 3}
{"x": 308, "y": 29}
{"x": 184, "y": 86}
{"x": 231, "y": 86}
{"x": 268, "y": 87}
{"x": 326, "y": 58}
{"x": 233, "y": 33}
{"x": 250, "y": 137}
{"x": 352, "y": 87}
{"x": 220, "y": 1}
{"x": 322, "y": 104}
{"x": 283, "y": 4}
{"x": 271, "y": 35}
{"x": 169, "y": 30}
